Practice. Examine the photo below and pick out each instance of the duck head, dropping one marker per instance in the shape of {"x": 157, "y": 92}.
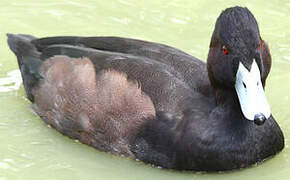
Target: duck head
{"x": 239, "y": 61}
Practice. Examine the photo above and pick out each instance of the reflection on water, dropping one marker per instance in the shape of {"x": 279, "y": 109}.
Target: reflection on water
{"x": 31, "y": 150}
{"x": 11, "y": 82}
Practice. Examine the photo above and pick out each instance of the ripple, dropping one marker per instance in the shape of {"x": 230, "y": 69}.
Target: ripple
{"x": 178, "y": 21}
{"x": 127, "y": 3}
{"x": 287, "y": 57}
{"x": 12, "y": 82}
{"x": 4, "y": 165}
{"x": 124, "y": 21}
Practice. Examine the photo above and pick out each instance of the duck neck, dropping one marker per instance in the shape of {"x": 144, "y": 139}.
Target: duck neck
{"x": 226, "y": 96}
{"x": 228, "y": 103}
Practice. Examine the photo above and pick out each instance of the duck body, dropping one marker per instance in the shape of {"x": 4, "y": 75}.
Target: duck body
{"x": 143, "y": 100}
{"x": 209, "y": 145}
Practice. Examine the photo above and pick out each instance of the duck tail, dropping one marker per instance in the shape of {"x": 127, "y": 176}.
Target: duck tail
{"x": 28, "y": 60}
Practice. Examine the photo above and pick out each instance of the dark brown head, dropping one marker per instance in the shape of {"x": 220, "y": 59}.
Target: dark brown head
{"x": 239, "y": 60}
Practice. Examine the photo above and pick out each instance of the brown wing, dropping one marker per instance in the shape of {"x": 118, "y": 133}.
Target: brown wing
{"x": 103, "y": 110}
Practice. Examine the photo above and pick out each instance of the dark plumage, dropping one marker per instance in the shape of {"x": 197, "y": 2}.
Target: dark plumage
{"x": 150, "y": 101}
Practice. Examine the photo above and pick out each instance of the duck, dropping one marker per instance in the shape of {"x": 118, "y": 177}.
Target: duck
{"x": 154, "y": 103}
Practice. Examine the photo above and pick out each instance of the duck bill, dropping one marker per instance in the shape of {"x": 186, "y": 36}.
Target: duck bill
{"x": 251, "y": 93}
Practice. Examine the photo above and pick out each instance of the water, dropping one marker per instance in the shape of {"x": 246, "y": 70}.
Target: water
{"x": 31, "y": 150}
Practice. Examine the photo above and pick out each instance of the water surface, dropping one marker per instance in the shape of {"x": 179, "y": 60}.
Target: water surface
{"x": 31, "y": 150}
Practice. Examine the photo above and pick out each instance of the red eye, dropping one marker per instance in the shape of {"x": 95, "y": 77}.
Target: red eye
{"x": 225, "y": 50}
{"x": 260, "y": 47}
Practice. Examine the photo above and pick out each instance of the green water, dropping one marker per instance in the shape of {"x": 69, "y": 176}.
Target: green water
{"x": 30, "y": 150}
